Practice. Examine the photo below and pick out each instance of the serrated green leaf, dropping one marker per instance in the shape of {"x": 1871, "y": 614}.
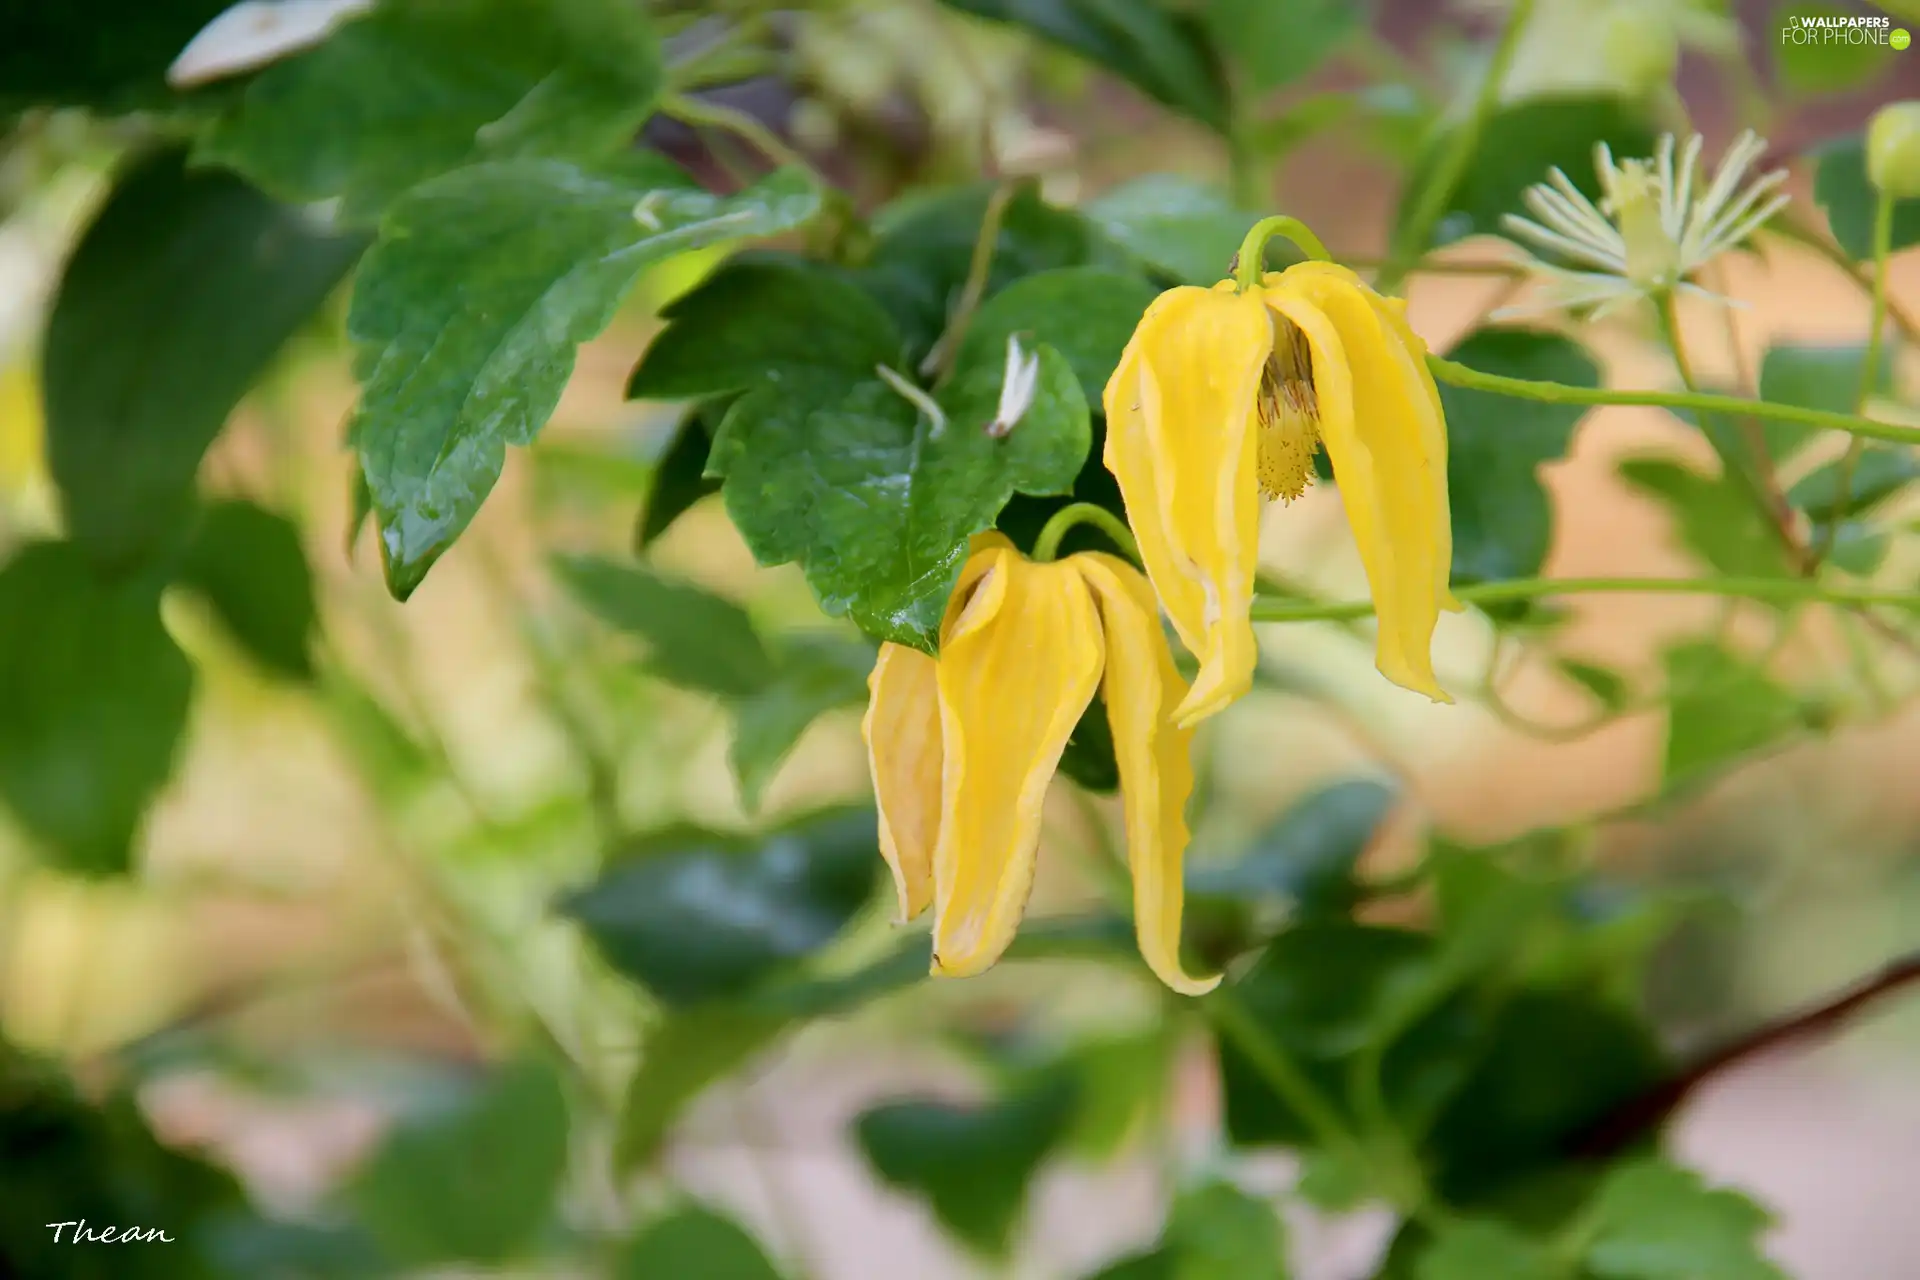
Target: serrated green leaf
{"x": 1307, "y": 855}
{"x": 1219, "y": 1232}
{"x": 411, "y": 91}
{"x": 1607, "y": 687}
{"x": 473, "y": 1181}
{"x": 1819, "y": 64}
{"x": 919, "y": 264}
{"x": 1482, "y": 1249}
{"x": 694, "y": 638}
{"x": 1517, "y": 148}
{"x": 250, "y": 568}
{"x": 180, "y": 293}
{"x": 1160, "y": 53}
{"x": 683, "y": 1054}
{"x": 93, "y": 702}
{"x": 875, "y": 502}
{"x": 972, "y": 1164}
{"x": 693, "y": 1242}
{"x": 1502, "y": 518}
{"x": 1716, "y": 519}
{"x": 1720, "y": 707}
{"x": 679, "y": 481}
{"x": 1281, "y": 41}
{"x": 1187, "y": 229}
{"x": 765, "y": 321}
{"x": 814, "y": 675}
{"x": 1842, "y": 188}
{"x": 468, "y": 312}
{"x": 1087, "y": 314}
{"x": 1654, "y": 1221}
{"x": 699, "y": 915}
{"x": 1878, "y": 473}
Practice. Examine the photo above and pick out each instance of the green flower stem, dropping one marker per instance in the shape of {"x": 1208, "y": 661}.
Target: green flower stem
{"x": 1047, "y": 545}
{"x": 700, "y": 113}
{"x": 1775, "y": 590}
{"x": 1460, "y": 375}
{"x": 939, "y": 362}
{"x": 1869, "y": 370}
{"x": 1252, "y": 258}
{"x": 1417, "y": 230}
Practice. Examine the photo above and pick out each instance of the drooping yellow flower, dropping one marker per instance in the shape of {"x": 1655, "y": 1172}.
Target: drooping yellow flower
{"x": 963, "y": 748}
{"x": 1223, "y": 396}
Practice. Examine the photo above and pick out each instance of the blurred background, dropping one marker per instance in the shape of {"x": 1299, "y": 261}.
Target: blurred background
{"x": 343, "y": 892}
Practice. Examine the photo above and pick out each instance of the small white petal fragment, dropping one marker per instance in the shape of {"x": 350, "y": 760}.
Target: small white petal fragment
{"x": 646, "y": 213}
{"x": 1017, "y": 388}
{"x": 256, "y": 32}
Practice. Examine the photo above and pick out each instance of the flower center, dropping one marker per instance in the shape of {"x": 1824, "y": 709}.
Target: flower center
{"x": 1289, "y": 414}
{"x": 1653, "y": 259}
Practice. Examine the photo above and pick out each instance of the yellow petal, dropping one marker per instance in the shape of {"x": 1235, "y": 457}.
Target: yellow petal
{"x": 1181, "y": 442}
{"x": 1379, "y": 427}
{"x": 902, "y": 729}
{"x": 902, "y": 732}
{"x": 1142, "y": 689}
{"x": 1018, "y": 665}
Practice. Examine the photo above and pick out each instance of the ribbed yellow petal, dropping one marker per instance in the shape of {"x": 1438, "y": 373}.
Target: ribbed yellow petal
{"x": 1142, "y": 690}
{"x": 1018, "y": 665}
{"x": 902, "y": 729}
{"x": 1180, "y": 441}
{"x": 1379, "y": 425}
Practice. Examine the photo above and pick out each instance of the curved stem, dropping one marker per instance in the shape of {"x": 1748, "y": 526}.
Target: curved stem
{"x": 1417, "y": 230}
{"x": 1252, "y": 258}
{"x": 1869, "y": 374}
{"x": 699, "y": 112}
{"x": 1560, "y": 393}
{"x": 1779, "y": 590}
{"x": 1047, "y": 545}
{"x": 939, "y": 362}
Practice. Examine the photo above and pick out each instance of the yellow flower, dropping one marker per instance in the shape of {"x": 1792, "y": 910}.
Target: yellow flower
{"x": 963, "y": 748}
{"x": 1223, "y": 396}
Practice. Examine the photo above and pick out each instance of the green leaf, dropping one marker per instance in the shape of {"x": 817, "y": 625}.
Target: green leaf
{"x": 472, "y": 1181}
{"x": 1280, "y": 41}
{"x": 1162, "y": 54}
{"x": 1720, "y": 708}
{"x": 250, "y": 568}
{"x": 1089, "y": 759}
{"x": 1187, "y": 229}
{"x": 679, "y": 481}
{"x": 1308, "y": 854}
{"x": 93, "y": 702}
{"x": 1859, "y": 549}
{"x": 1842, "y": 188}
{"x": 1502, "y": 519}
{"x": 1880, "y": 472}
{"x": 1821, "y": 65}
{"x": 971, "y": 1163}
{"x": 1087, "y": 314}
{"x": 1219, "y": 1232}
{"x": 469, "y": 309}
{"x": 1826, "y": 378}
{"x": 1552, "y": 1065}
{"x": 1479, "y": 1249}
{"x": 1518, "y": 147}
{"x": 111, "y": 54}
{"x": 697, "y": 915}
{"x": 1123, "y": 1082}
{"x": 1653, "y": 1221}
{"x": 694, "y": 638}
{"x": 1154, "y": 1265}
{"x": 873, "y": 500}
{"x": 919, "y": 264}
{"x": 693, "y": 1242}
{"x": 1325, "y": 989}
{"x": 764, "y": 320}
{"x": 180, "y": 293}
{"x": 1716, "y": 518}
{"x": 684, "y": 1053}
{"x": 412, "y": 91}
{"x": 815, "y": 675}
{"x": 1607, "y": 687}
